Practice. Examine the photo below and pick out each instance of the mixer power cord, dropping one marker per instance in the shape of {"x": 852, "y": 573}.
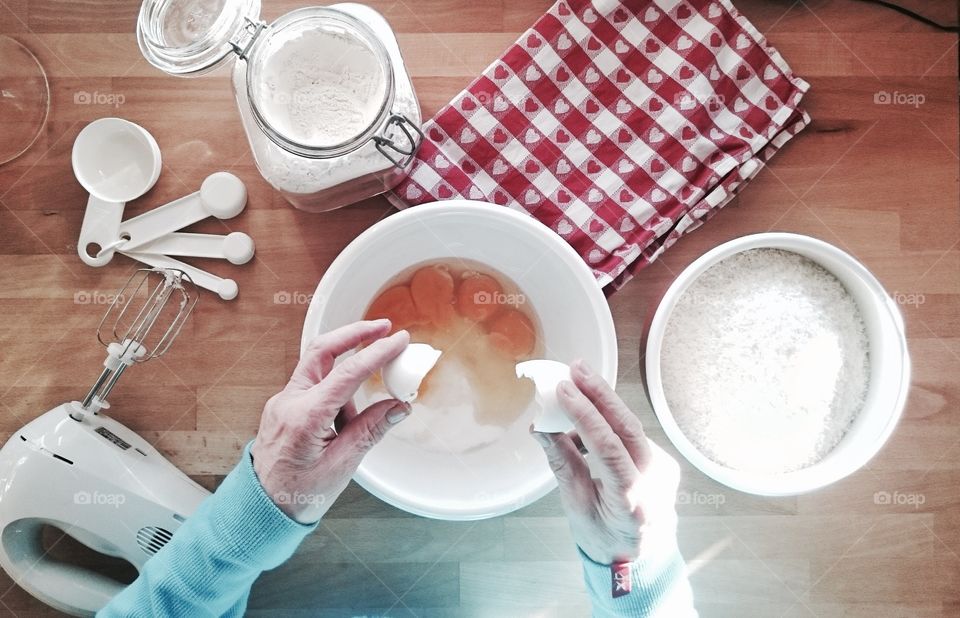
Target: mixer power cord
{"x": 916, "y": 16}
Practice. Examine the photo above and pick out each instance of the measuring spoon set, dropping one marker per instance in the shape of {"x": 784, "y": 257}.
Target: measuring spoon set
{"x": 117, "y": 161}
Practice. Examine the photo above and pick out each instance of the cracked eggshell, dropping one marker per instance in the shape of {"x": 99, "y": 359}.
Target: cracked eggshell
{"x": 402, "y": 376}
{"x": 546, "y": 375}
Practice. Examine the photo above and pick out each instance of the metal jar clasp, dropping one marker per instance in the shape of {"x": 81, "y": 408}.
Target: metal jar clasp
{"x": 413, "y": 138}
{"x": 247, "y": 36}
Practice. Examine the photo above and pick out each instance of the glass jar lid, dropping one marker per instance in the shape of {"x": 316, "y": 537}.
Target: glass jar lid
{"x": 24, "y": 99}
{"x": 193, "y": 37}
{"x": 320, "y": 82}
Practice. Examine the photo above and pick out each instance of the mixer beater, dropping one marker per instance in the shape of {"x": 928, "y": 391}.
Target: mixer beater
{"x": 170, "y": 300}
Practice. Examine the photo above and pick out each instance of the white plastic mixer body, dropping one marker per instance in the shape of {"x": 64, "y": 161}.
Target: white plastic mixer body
{"x": 101, "y": 484}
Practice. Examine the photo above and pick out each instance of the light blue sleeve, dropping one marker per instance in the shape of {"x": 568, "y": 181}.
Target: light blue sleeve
{"x": 215, "y": 556}
{"x": 208, "y": 567}
{"x": 658, "y": 587}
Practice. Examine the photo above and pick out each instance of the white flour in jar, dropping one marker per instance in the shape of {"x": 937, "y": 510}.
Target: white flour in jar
{"x": 765, "y": 362}
{"x": 321, "y": 87}
{"x": 315, "y": 184}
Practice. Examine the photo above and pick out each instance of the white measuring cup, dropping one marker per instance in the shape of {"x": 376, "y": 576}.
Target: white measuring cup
{"x": 118, "y": 161}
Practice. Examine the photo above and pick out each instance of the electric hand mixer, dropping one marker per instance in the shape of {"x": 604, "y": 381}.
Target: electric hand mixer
{"x": 90, "y": 476}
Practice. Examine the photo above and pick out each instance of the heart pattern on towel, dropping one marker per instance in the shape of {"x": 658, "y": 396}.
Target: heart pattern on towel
{"x": 613, "y": 122}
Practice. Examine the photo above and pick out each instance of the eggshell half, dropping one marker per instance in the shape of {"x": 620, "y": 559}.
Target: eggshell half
{"x": 546, "y": 375}
{"x": 402, "y": 376}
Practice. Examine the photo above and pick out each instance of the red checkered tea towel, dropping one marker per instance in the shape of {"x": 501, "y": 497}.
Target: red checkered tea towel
{"x": 621, "y": 125}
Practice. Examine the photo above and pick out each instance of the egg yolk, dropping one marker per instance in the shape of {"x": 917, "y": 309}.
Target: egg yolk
{"x": 432, "y": 289}
{"x": 512, "y": 333}
{"x": 478, "y": 297}
{"x": 396, "y": 304}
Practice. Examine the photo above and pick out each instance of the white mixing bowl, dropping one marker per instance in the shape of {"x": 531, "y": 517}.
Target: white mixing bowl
{"x": 889, "y": 369}
{"x": 574, "y": 317}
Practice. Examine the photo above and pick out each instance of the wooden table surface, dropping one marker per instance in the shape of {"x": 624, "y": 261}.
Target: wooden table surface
{"x": 880, "y": 181}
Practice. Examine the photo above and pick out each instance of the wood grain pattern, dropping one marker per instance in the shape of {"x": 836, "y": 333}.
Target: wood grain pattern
{"x": 878, "y": 181}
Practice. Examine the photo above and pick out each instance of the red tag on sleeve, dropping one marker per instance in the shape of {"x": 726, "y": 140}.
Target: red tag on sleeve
{"x": 620, "y": 578}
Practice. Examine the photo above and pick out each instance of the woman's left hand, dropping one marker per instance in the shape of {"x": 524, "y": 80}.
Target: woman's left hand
{"x": 628, "y": 511}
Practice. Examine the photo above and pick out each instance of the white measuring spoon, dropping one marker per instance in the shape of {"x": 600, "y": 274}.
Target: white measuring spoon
{"x": 222, "y": 195}
{"x": 235, "y": 247}
{"x": 226, "y": 289}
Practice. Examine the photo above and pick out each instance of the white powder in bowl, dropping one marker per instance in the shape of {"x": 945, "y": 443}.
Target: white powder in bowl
{"x": 765, "y": 361}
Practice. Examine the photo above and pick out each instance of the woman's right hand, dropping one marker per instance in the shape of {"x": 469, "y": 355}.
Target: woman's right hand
{"x": 628, "y": 509}
{"x": 302, "y": 462}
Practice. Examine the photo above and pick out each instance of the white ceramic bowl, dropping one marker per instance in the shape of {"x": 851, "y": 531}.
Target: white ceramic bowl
{"x": 574, "y": 317}
{"x": 889, "y": 369}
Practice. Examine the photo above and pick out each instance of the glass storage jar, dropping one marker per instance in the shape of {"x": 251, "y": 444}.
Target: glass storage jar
{"x": 326, "y": 102}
